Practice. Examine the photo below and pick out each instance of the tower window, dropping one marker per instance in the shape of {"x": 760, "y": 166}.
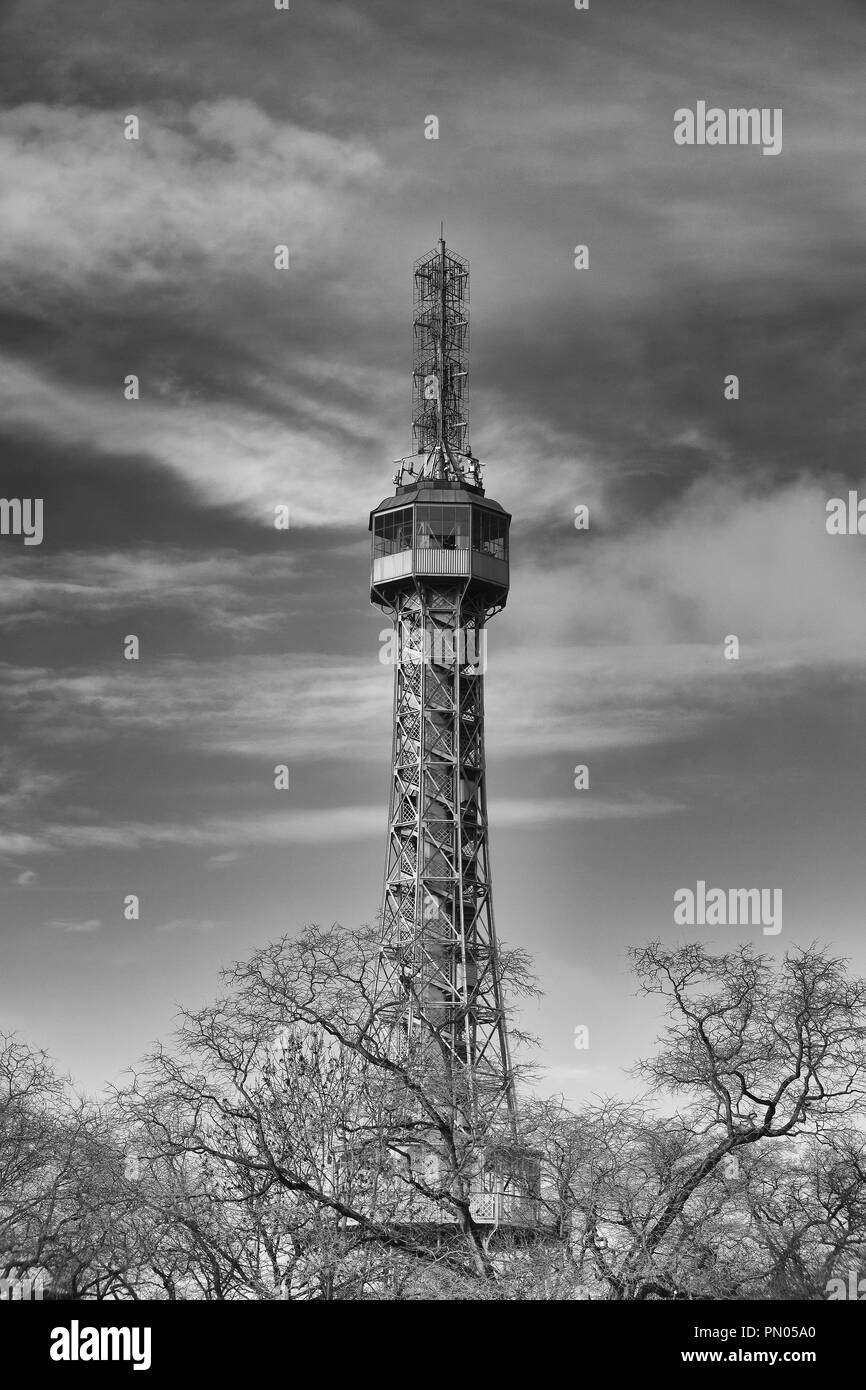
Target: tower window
{"x": 443, "y": 528}
{"x": 490, "y": 533}
{"x": 392, "y": 531}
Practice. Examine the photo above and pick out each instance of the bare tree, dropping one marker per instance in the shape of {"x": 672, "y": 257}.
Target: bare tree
{"x": 285, "y": 1148}
{"x": 759, "y": 1056}
{"x": 289, "y": 1087}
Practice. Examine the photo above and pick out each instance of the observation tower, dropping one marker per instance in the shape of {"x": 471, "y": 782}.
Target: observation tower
{"x": 440, "y": 572}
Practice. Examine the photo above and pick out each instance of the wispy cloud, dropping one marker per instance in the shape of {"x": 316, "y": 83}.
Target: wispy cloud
{"x": 227, "y": 591}
{"x": 200, "y": 185}
{"x": 63, "y": 924}
{"x": 188, "y": 924}
{"x": 333, "y": 825}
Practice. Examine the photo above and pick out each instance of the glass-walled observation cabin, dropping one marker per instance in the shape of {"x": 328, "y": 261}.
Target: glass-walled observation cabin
{"x": 441, "y": 538}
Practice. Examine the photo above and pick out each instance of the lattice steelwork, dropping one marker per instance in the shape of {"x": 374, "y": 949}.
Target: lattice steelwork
{"x": 441, "y": 331}
{"x": 439, "y": 966}
{"x": 440, "y": 570}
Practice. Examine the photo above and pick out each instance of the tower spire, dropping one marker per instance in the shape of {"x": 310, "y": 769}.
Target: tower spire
{"x": 440, "y": 393}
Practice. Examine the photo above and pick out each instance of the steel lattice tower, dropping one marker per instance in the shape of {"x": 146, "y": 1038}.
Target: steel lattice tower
{"x": 440, "y": 571}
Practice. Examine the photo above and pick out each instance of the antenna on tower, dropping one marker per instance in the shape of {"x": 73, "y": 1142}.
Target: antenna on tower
{"x": 440, "y": 394}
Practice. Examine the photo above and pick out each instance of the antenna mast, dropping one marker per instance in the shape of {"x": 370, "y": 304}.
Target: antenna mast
{"x": 440, "y": 391}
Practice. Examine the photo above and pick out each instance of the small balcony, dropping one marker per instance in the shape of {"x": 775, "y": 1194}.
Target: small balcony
{"x": 429, "y": 560}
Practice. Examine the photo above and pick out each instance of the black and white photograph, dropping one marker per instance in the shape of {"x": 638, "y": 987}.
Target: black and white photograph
{"x": 432, "y": 675}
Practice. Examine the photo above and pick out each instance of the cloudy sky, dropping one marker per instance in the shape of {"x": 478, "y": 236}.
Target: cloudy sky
{"x": 602, "y": 387}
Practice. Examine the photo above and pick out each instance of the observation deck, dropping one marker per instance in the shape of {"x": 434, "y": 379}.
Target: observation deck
{"x": 437, "y": 530}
